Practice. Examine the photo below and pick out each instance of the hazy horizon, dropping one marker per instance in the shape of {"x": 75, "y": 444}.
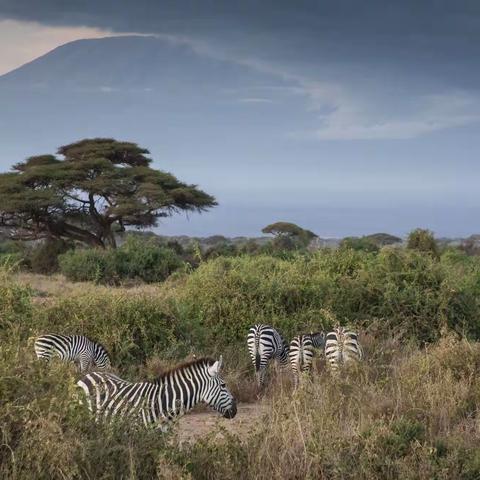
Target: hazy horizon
{"x": 344, "y": 120}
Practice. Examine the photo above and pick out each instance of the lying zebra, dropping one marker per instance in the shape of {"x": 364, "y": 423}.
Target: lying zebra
{"x": 156, "y": 403}
{"x": 85, "y": 353}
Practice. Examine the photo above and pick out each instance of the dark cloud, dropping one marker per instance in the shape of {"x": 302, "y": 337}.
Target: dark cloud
{"x": 431, "y": 37}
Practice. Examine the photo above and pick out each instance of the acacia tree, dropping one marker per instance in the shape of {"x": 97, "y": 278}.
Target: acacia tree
{"x": 99, "y": 187}
{"x": 288, "y": 233}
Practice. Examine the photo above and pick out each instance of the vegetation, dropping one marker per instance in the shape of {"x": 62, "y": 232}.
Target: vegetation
{"x": 359, "y": 243}
{"x": 135, "y": 259}
{"x": 288, "y": 235}
{"x": 409, "y": 412}
{"x": 383, "y": 239}
{"x": 423, "y": 241}
{"x": 100, "y": 187}
{"x": 370, "y": 243}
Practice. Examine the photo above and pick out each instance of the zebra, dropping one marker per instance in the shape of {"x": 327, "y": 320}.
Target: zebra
{"x": 302, "y": 349}
{"x": 74, "y": 348}
{"x": 341, "y": 347}
{"x": 265, "y": 344}
{"x": 156, "y": 403}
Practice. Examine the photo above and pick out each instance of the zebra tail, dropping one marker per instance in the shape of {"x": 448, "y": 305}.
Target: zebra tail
{"x": 257, "y": 361}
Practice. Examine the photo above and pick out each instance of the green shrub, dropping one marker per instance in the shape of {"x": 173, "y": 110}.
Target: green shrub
{"x": 135, "y": 259}
{"x": 94, "y": 265}
{"x": 356, "y": 243}
{"x": 401, "y": 292}
{"x": 145, "y": 260}
{"x": 423, "y": 241}
{"x": 43, "y": 258}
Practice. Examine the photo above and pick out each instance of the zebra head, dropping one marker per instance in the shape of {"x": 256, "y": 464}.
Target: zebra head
{"x": 217, "y": 395}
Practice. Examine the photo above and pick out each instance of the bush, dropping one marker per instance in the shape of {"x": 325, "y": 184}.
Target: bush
{"x": 43, "y": 257}
{"x": 135, "y": 259}
{"x": 355, "y": 243}
{"x": 423, "y": 241}
{"x": 399, "y": 292}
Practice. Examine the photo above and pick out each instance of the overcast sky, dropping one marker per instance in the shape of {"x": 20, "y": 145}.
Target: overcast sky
{"x": 375, "y": 105}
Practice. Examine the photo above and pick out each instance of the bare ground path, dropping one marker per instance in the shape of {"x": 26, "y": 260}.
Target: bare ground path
{"x": 196, "y": 425}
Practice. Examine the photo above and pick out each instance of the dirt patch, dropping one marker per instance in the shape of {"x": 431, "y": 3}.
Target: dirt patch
{"x": 195, "y": 425}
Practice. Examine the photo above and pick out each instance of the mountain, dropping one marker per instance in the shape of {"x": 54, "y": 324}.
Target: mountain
{"x": 126, "y": 63}
{"x": 164, "y": 95}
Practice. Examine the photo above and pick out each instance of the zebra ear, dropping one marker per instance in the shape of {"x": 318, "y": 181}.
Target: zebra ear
{"x": 220, "y": 363}
{"x": 215, "y": 368}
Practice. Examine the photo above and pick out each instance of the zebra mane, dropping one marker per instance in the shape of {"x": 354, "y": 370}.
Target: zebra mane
{"x": 208, "y": 361}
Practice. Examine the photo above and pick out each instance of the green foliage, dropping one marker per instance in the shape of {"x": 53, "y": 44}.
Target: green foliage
{"x": 43, "y": 258}
{"x": 423, "y": 241}
{"x": 292, "y": 235}
{"x": 401, "y": 292}
{"x": 100, "y": 187}
{"x": 356, "y": 243}
{"x": 135, "y": 259}
{"x": 382, "y": 239}
{"x": 222, "y": 249}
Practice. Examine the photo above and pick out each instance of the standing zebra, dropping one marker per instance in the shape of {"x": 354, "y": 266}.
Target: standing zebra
{"x": 265, "y": 344}
{"x": 341, "y": 347}
{"x": 155, "y": 403}
{"x": 73, "y": 348}
{"x": 302, "y": 349}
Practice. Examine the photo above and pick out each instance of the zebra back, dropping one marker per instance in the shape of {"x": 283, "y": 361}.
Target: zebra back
{"x": 73, "y": 348}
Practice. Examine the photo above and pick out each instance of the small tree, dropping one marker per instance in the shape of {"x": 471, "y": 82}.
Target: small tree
{"x": 99, "y": 187}
{"x": 423, "y": 241}
{"x": 382, "y": 239}
{"x": 289, "y": 233}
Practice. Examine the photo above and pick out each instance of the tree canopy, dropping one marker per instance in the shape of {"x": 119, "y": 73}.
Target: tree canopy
{"x": 289, "y": 234}
{"x": 100, "y": 186}
{"x": 287, "y": 229}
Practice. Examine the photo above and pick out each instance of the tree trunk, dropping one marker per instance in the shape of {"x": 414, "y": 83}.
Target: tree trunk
{"x": 62, "y": 229}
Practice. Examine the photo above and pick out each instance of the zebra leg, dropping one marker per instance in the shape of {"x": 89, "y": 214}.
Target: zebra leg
{"x": 261, "y": 374}
{"x": 296, "y": 380}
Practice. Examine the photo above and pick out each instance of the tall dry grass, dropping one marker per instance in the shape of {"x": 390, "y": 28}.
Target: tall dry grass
{"x": 413, "y": 418}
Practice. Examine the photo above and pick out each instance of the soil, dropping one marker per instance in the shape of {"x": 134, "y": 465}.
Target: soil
{"x": 196, "y": 425}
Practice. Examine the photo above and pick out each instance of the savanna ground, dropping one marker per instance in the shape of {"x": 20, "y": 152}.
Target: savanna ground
{"x": 410, "y": 411}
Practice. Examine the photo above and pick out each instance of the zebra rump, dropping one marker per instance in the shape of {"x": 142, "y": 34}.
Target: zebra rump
{"x": 266, "y": 344}
{"x": 342, "y": 347}
{"x": 302, "y": 350}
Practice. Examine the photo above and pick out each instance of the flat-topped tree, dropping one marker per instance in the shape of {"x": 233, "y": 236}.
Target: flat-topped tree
{"x": 100, "y": 186}
{"x": 289, "y": 231}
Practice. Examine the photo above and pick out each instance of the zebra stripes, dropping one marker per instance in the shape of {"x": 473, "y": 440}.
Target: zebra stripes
{"x": 74, "y": 348}
{"x": 342, "y": 347}
{"x": 156, "y": 403}
{"x": 265, "y": 344}
{"x": 302, "y": 349}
